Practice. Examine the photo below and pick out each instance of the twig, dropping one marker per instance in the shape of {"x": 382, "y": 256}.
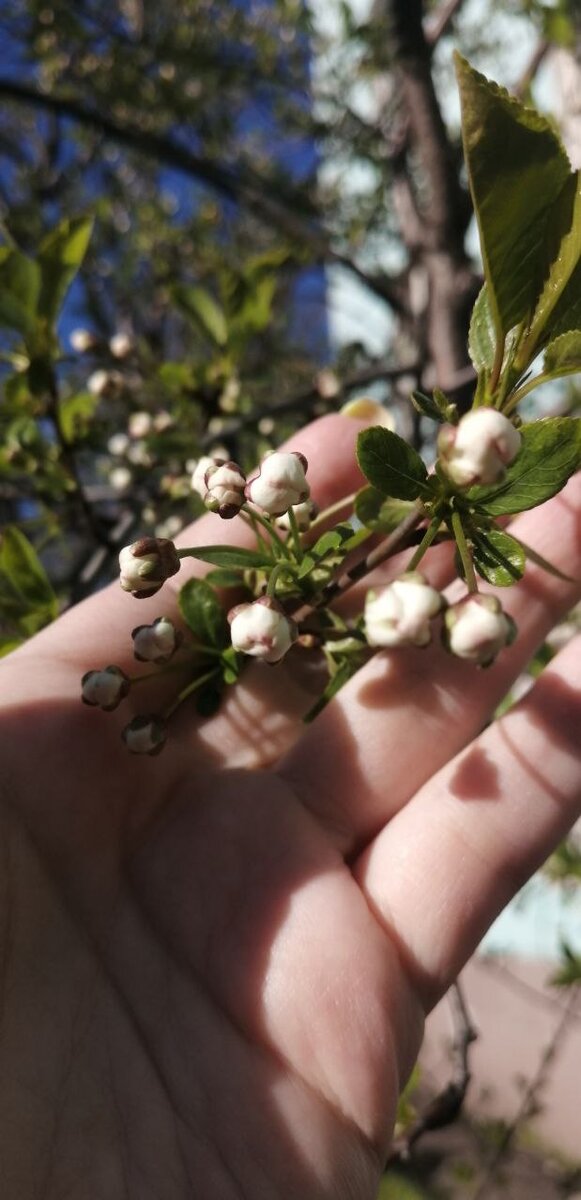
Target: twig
{"x": 439, "y": 23}
{"x": 522, "y": 86}
{"x": 446, "y": 1106}
{"x": 93, "y": 522}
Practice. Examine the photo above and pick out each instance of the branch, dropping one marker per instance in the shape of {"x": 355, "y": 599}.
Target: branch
{"x": 446, "y": 1106}
{"x": 521, "y": 88}
{"x": 439, "y": 22}
{"x": 238, "y": 186}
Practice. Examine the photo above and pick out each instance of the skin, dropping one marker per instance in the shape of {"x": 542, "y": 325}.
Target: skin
{"x": 215, "y": 964}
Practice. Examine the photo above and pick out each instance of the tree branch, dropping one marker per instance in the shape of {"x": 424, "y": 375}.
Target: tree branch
{"x": 439, "y": 22}
{"x": 540, "y": 52}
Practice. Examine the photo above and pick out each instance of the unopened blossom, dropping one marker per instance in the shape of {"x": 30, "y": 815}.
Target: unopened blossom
{"x": 479, "y": 449}
{"x": 121, "y": 345}
{"x": 477, "y": 629}
{"x": 280, "y": 483}
{"x": 118, "y": 444}
{"x": 145, "y": 735}
{"x": 304, "y": 513}
{"x": 104, "y": 383}
{"x": 139, "y": 424}
{"x": 225, "y": 484}
{"x": 157, "y": 642}
{"x": 146, "y": 564}
{"x": 400, "y": 614}
{"x": 262, "y": 629}
{"x": 120, "y": 478}
{"x": 82, "y": 340}
{"x": 104, "y": 689}
{"x": 199, "y": 473}
{"x": 162, "y": 420}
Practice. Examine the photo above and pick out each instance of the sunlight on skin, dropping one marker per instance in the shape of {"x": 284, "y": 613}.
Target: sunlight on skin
{"x": 199, "y": 995}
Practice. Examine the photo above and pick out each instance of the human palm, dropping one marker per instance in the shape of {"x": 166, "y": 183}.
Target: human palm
{"x": 215, "y": 964}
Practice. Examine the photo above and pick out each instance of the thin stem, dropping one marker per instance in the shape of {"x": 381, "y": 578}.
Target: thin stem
{"x": 523, "y": 391}
{"x": 497, "y": 365}
{"x": 250, "y": 520}
{"x": 266, "y": 524}
{"x": 425, "y": 543}
{"x": 188, "y": 691}
{"x": 346, "y": 501}
{"x": 465, "y": 555}
{"x": 296, "y": 536}
{"x": 280, "y": 569}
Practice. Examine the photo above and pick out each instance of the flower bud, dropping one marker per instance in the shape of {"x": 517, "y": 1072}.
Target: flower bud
{"x": 199, "y": 473}
{"x": 478, "y": 450}
{"x": 400, "y": 614}
{"x": 146, "y": 565}
{"x": 157, "y": 642}
{"x": 104, "y": 689}
{"x": 262, "y": 629}
{"x": 225, "y": 485}
{"x": 304, "y": 514}
{"x": 83, "y": 340}
{"x": 139, "y": 424}
{"x": 280, "y": 483}
{"x": 145, "y": 735}
{"x": 104, "y": 383}
{"x": 121, "y": 345}
{"x": 477, "y": 629}
{"x": 118, "y": 444}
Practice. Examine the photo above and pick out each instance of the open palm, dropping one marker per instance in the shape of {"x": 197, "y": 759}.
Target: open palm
{"x": 215, "y": 964}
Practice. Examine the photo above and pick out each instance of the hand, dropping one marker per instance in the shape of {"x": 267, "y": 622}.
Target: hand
{"x": 215, "y": 964}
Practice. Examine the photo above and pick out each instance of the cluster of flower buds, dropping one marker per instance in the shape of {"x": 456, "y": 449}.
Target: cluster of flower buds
{"x": 146, "y": 564}
{"x": 280, "y": 483}
{"x": 401, "y": 613}
{"x": 262, "y": 629}
{"x": 477, "y": 629}
{"x": 156, "y": 643}
{"x": 479, "y": 449}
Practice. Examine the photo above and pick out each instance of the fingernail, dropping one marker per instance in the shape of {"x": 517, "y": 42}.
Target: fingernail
{"x": 365, "y": 409}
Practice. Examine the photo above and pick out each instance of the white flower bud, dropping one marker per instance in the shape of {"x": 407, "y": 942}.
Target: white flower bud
{"x": 280, "y": 482}
{"x": 262, "y": 629}
{"x": 118, "y": 444}
{"x": 199, "y": 474}
{"x": 139, "y": 424}
{"x": 138, "y": 455}
{"x": 400, "y": 614}
{"x": 121, "y": 345}
{"x": 145, "y": 735}
{"x": 477, "y": 629}
{"x": 157, "y": 642}
{"x": 82, "y": 340}
{"x": 146, "y": 565}
{"x": 162, "y": 421}
{"x": 304, "y": 514}
{"x": 120, "y": 478}
{"x": 104, "y": 689}
{"x": 225, "y": 486}
{"x": 478, "y": 450}
{"x": 103, "y": 383}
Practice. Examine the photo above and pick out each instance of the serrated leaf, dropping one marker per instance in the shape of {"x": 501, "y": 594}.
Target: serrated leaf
{"x": 199, "y": 305}
{"x": 26, "y": 595}
{"x": 59, "y": 257}
{"x": 563, "y": 355}
{"x": 390, "y": 465}
{"x": 203, "y": 613}
{"x": 232, "y": 556}
{"x": 19, "y": 290}
{"x": 550, "y": 453}
{"x": 378, "y": 513}
{"x": 482, "y": 334}
{"x": 498, "y": 558}
{"x": 567, "y": 312}
{"x": 517, "y": 168}
{"x": 564, "y": 252}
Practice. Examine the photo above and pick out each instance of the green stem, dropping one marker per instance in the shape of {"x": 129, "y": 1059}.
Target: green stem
{"x": 425, "y": 543}
{"x": 515, "y": 399}
{"x": 266, "y": 524}
{"x": 250, "y": 520}
{"x": 465, "y": 555}
{"x": 346, "y": 501}
{"x": 296, "y": 536}
{"x": 188, "y": 691}
{"x": 497, "y": 365}
{"x": 280, "y": 569}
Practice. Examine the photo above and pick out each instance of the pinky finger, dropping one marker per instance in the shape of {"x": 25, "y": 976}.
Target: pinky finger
{"x": 448, "y": 863}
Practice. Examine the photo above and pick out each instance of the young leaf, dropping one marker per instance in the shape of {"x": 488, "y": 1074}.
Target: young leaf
{"x": 199, "y": 305}
{"x": 203, "y": 613}
{"x": 60, "y": 256}
{"x": 231, "y": 556}
{"x": 427, "y": 406}
{"x": 498, "y": 558}
{"x": 390, "y": 465}
{"x": 482, "y": 336}
{"x": 222, "y": 578}
{"x": 378, "y": 513}
{"x": 26, "y": 595}
{"x": 563, "y": 356}
{"x": 19, "y": 290}
{"x": 550, "y": 453}
{"x": 517, "y": 167}
{"x": 564, "y": 232}
{"x": 75, "y": 413}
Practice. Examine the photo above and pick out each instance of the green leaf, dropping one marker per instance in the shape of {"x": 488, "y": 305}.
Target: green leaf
{"x": 222, "y": 578}
{"x": 8, "y": 644}
{"x": 498, "y": 558}
{"x": 60, "y": 256}
{"x": 19, "y": 290}
{"x": 232, "y": 556}
{"x": 517, "y": 168}
{"x": 563, "y": 356}
{"x": 482, "y": 335}
{"x": 197, "y": 304}
{"x": 564, "y": 252}
{"x": 378, "y": 513}
{"x": 567, "y": 312}
{"x": 390, "y": 465}
{"x": 203, "y": 613}
{"x": 75, "y": 414}
{"x": 570, "y": 970}
{"x": 26, "y": 596}
{"x": 550, "y": 453}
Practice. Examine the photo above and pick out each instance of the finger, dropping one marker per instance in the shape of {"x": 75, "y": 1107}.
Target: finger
{"x": 447, "y": 864}
{"x": 408, "y": 711}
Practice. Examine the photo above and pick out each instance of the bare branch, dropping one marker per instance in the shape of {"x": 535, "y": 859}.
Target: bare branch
{"x": 540, "y": 52}
{"x": 439, "y": 22}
